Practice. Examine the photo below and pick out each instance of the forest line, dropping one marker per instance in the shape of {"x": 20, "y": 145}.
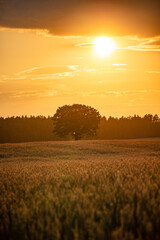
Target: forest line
{"x": 40, "y": 128}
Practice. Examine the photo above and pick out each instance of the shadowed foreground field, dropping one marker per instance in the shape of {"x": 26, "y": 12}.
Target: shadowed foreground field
{"x": 80, "y": 190}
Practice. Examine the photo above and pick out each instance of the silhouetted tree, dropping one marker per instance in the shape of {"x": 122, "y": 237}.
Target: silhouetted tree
{"x": 77, "y": 120}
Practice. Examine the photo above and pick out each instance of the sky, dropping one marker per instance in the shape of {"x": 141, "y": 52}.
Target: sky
{"x": 48, "y": 58}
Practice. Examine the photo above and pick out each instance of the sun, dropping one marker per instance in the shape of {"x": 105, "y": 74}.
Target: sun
{"x": 104, "y": 46}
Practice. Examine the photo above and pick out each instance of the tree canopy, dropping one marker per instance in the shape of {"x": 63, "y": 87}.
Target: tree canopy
{"x": 77, "y": 120}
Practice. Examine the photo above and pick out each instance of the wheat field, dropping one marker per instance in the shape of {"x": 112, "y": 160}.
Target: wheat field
{"x": 82, "y": 190}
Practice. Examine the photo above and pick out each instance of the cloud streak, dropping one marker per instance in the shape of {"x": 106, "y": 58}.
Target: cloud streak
{"x": 133, "y": 43}
{"x": 53, "y": 93}
{"x": 151, "y": 44}
{"x": 46, "y": 72}
{"x": 118, "y": 93}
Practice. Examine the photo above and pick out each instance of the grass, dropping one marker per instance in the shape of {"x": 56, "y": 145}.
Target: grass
{"x": 80, "y": 190}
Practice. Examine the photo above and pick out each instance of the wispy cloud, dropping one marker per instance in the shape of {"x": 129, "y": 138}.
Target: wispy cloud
{"x": 53, "y": 93}
{"x": 151, "y": 44}
{"x": 28, "y": 94}
{"x": 49, "y": 73}
{"x": 119, "y": 64}
{"x": 117, "y": 93}
{"x": 46, "y": 72}
{"x": 89, "y": 44}
{"x": 133, "y": 43}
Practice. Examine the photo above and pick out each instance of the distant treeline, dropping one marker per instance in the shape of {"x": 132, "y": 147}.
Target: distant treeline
{"x": 26, "y": 129}
{"x": 40, "y": 128}
{"x": 129, "y": 127}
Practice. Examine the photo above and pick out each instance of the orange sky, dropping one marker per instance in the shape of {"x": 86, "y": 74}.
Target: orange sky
{"x": 42, "y": 70}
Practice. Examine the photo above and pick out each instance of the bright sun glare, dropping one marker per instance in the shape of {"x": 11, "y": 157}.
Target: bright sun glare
{"x": 104, "y": 46}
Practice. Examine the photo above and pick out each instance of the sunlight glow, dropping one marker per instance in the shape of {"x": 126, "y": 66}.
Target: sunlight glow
{"x": 104, "y": 46}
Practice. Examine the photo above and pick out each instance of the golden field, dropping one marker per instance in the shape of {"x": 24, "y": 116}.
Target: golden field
{"x": 80, "y": 190}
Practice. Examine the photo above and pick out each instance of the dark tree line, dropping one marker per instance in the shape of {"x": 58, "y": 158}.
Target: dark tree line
{"x": 129, "y": 127}
{"x": 26, "y": 129}
{"x": 40, "y": 128}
